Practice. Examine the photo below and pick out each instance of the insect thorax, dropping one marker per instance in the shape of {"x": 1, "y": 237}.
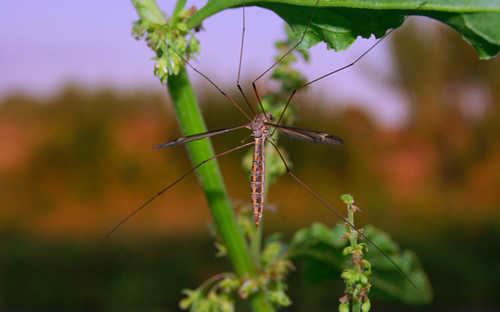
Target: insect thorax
{"x": 259, "y": 127}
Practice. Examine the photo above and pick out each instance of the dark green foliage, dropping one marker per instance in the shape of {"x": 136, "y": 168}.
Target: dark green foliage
{"x": 337, "y": 27}
{"x": 339, "y": 23}
{"x": 479, "y": 29}
{"x": 322, "y": 247}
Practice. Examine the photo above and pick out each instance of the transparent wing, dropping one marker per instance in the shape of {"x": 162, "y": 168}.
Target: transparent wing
{"x": 308, "y": 135}
{"x": 199, "y": 136}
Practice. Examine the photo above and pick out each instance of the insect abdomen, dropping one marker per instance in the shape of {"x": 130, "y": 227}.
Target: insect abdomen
{"x": 257, "y": 180}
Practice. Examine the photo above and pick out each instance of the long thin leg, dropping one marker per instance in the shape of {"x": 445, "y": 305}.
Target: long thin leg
{"x": 339, "y": 215}
{"x": 331, "y": 73}
{"x": 243, "y": 30}
{"x": 242, "y": 40}
{"x": 227, "y": 96}
{"x": 283, "y": 56}
{"x": 166, "y": 188}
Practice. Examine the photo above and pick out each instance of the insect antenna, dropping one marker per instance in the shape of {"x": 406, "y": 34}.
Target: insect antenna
{"x": 280, "y": 59}
{"x": 356, "y": 60}
{"x": 340, "y": 216}
{"x": 166, "y": 188}
{"x": 233, "y": 102}
{"x": 243, "y": 30}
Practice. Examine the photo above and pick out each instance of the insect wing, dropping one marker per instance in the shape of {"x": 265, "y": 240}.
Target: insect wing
{"x": 309, "y": 135}
{"x": 199, "y": 136}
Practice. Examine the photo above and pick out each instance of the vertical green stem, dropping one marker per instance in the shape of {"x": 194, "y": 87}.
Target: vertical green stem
{"x": 191, "y": 122}
{"x": 178, "y": 7}
{"x": 350, "y": 217}
{"x": 149, "y": 11}
{"x": 353, "y": 238}
{"x": 255, "y": 244}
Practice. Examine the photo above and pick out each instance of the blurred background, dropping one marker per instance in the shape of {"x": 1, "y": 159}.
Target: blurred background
{"x": 80, "y": 110}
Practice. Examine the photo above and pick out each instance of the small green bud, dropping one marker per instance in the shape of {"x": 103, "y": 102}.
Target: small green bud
{"x": 363, "y": 279}
{"x": 347, "y": 275}
{"x": 182, "y": 27}
{"x": 248, "y": 288}
{"x": 229, "y": 284}
{"x": 221, "y": 250}
{"x": 344, "y": 307}
{"x": 366, "y": 266}
{"x": 280, "y": 298}
{"x": 271, "y": 251}
{"x": 347, "y": 250}
{"x": 192, "y": 296}
{"x": 347, "y": 199}
{"x": 280, "y": 268}
{"x": 225, "y": 304}
{"x": 365, "y": 307}
{"x": 356, "y": 276}
{"x": 202, "y": 305}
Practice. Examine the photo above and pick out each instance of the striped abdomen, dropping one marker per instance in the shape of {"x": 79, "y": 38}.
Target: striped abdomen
{"x": 257, "y": 180}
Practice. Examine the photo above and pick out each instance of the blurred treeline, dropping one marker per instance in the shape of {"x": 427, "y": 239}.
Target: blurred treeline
{"x": 73, "y": 164}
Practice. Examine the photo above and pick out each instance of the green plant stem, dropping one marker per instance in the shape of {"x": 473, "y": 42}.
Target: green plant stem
{"x": 149, "y": 11}
{"x": 350, "y": 216}
{"x": 178, "y": 7}
{"x": 353, "y": 238}
{"x": 191, "y": 122}
{"x": 256, "y": 242}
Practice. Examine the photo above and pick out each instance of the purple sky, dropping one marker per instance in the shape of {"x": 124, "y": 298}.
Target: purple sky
{"x": 45, "y": 45}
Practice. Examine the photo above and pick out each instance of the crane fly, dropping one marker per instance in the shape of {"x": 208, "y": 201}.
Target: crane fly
{"x": 261, "y": 124}
{"x": 260, "y": 127}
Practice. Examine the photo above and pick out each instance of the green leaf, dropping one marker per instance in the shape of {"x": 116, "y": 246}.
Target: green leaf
{"x": 344, "y": 307}
{"x": 324, "y": 258}
{"x": 381, "y": 239}
{"x": 339, "y": 22}
{"x": 337, "y": 27}
{"x": 387, "y": 281}
{"x": 192, "y": 296}
{"x": 481, "y": 30}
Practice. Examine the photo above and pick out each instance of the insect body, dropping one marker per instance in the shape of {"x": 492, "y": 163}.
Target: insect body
{"x": 260, "y": 126}
{"x": 257, "y": 178}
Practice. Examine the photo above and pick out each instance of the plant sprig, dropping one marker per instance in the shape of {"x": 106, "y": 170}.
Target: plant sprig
{"x": 168, "y": 41}
{"x": 356, "y": 275}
